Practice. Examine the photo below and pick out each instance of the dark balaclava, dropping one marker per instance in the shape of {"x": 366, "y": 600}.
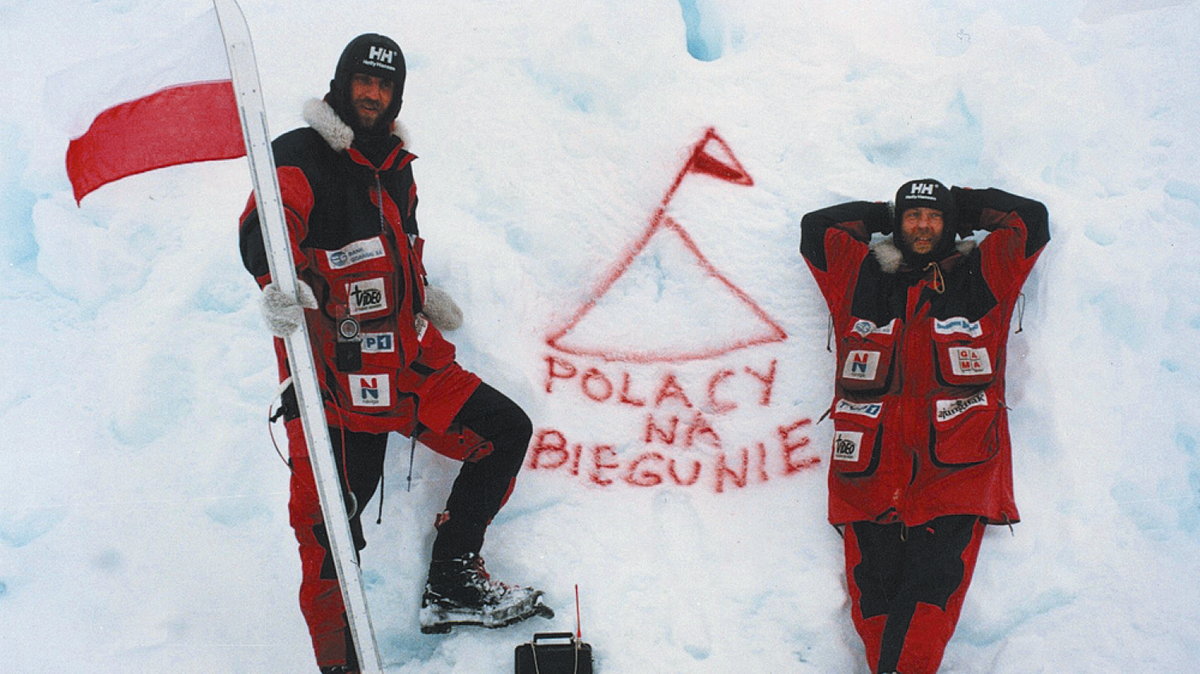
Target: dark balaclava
{"x": 926, "y": 193}
{"x": 370, "y": 54}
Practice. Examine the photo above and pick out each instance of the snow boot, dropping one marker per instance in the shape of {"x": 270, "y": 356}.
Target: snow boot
{"x": 460, "y": 592}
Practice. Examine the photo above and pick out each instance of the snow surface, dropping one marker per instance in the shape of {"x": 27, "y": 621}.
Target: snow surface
{"x": 143, "y": 523}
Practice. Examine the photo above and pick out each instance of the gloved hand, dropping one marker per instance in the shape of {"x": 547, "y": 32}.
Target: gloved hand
{"x": 281, "y": 311}
{"x": 441, "y": 310}
{"x": 968, "y": 207}
{"x": 879, "y": 216}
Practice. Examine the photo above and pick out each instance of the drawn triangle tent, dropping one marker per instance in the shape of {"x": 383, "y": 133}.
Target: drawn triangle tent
{"x": 634, "y": 313}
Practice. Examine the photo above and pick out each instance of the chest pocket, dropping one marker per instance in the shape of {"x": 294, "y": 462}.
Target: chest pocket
{"x": 965, "y": 430}
{"x": 361, "y": 278}
{"x": 868, "y": 352}
{"x": 857, "y": 437}
{"x": 965, "y": 352}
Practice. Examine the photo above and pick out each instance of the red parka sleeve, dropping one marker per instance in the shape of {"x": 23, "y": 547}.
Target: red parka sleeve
{"x": 297, "y": 197}
{"x": 834, "y": 240}
{"x": 1018, "y": 227}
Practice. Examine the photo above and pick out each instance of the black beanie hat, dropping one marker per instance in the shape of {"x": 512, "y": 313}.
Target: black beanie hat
{"x": 928, "y": 193}
{"x": 369, "y": 54}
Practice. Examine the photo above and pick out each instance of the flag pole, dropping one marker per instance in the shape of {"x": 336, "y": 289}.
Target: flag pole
{"x": 252, "y": 110}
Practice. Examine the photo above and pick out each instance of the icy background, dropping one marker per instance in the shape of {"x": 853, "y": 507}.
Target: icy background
{"x": 143, "y": 521}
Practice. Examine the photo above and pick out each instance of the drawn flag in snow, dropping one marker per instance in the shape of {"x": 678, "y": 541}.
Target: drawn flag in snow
{"x": 713, "y": 156}
{"x": 639, "y": 311}
{"x": 163, "y": 103}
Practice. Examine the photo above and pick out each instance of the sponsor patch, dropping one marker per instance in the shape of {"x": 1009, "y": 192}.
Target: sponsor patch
{"x": 871, "y": 410}
{"x": 359, "y": 251}
{"x": 370, "y": 390}
{"x": 378, "y": 342}
{"x": 861, "y": 365}
{"x": 847, "y": 445}
{"x": 949, "y": 409}
{"x": 956, "y": 325}
{"x": 966, "y": 361}
{"x": 864, "y": 327}
{"x": 366, "y": 296}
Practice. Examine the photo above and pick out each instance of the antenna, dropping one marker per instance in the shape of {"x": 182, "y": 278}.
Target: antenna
{"x": 578, "y": 627}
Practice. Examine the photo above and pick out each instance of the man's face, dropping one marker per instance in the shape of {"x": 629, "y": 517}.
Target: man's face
{"x": 370, "y": 96}
{"x": 921, "y": 229}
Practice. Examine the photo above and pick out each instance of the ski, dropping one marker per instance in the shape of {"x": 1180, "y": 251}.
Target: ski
{"x": 252, "y": 110}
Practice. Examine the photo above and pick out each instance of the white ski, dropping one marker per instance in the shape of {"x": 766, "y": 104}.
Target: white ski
{"x": 244, "y": 68}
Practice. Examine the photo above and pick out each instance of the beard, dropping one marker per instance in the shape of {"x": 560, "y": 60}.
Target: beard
{"x": 370, "y": 118}
{"x": 928, "y": 246}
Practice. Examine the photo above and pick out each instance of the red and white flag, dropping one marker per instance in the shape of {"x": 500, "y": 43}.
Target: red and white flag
{"x": 161, "y": 104}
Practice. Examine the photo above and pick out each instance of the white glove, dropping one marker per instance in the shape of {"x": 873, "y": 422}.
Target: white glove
{"x": 441, "y": 310}
{"x": 280, "y": 310}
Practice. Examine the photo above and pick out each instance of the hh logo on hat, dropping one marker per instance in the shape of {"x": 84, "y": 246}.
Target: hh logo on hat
{"x": 381, "y": 57}
{"x": 920, "y": 189}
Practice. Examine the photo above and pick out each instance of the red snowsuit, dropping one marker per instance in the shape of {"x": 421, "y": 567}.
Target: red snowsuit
{"x": 920, "y": 422}
{"x": 352, "y": 225}
{"x": 336, "y": 203}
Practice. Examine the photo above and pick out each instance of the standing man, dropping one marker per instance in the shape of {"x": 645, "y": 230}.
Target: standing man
{"x": 921, "y": 453}
{"x": 383, "y": 364}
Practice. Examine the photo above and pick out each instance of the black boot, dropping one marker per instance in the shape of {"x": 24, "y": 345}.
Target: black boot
{"x": 460, "y": 592}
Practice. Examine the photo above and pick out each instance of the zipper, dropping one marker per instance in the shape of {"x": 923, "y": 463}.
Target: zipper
{"x": 386, "y": 231}
{"x": 911, "y": 307}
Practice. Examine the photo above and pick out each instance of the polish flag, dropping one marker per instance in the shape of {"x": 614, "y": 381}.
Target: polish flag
{"x": 163, "y": 103}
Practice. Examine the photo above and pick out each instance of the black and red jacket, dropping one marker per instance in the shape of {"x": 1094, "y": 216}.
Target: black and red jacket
{"x": 352, "y": 223}
{"x": 920, "y": 421}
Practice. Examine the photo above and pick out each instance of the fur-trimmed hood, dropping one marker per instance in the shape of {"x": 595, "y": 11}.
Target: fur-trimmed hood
{"x": 890, "y": 257}
{"x": 322, "y": 118}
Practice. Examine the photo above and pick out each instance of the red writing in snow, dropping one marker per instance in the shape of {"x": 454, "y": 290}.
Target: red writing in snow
{"x": 786, "y": 454}
{"x": 659, "y": 391}
{"x": 677, "y": 439}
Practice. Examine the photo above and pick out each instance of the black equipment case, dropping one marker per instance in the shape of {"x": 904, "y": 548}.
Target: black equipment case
{"x": 571, "y": 656}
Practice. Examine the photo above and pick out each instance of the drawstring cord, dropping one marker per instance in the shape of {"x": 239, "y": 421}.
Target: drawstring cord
{"x": 827, "y": 413}
{"x": 273, "y": 416}
{"x": 1020, "y": 313}
{"x": 379, "y": 518}
{"x": 271, "y": 419}
{"x": 412, "y": 451}
{"x": 353, "y": 509}
{"x": 939, "y": 281}
{"x": 829, "y": 335}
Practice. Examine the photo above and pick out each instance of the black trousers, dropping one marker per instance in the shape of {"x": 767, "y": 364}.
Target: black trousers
{"x": 907, "y": 585}
{"x": 500, "y": 432}
{"x": 486, "y": 478}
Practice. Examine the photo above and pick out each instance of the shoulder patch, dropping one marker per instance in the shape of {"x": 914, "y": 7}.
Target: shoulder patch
{"x": 949, "y": 409}
{"x": 861, "y": 365}
{"x": 864, "y": 327}
{"x": 847, "y": 445}
{"x": 965, "y": 361}
{"x": 366, "y": 296}
{"x": 957, "y": 325}
{"x": 355, "y": 252}
{"x": 370, "y": 390}
{"x": 872, "y": 410}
